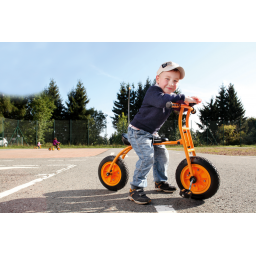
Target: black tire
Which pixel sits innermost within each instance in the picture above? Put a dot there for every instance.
(124, 173)
(212, 171)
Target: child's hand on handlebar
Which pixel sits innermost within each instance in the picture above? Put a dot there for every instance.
(192, 99)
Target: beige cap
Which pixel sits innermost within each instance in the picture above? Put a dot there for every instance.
(167, 66)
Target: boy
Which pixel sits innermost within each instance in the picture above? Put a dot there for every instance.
(146, 123)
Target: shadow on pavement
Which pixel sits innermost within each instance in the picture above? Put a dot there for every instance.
(94, 201)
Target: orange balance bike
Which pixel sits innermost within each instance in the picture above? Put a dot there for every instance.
(196, 176)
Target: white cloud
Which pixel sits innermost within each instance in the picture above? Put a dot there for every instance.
(104, 73)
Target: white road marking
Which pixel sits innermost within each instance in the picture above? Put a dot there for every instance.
(13, 190)
(16, 167)
(112, 153)
(77, 160)
(25, 165)
(57, 164)
(248, 157)
(164, 209)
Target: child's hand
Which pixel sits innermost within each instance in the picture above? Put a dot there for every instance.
(198, 100)
(192, 99)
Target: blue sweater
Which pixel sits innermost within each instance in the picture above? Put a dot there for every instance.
(153, 112)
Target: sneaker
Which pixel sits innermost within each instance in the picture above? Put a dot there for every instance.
(164, 186)
(138, 196)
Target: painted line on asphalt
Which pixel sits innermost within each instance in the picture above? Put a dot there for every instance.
(25, 165)
(78, 160)
(57, 165)
(165, 209)
(112, 153)
(13, 190)
(16, 167)
(248, 157)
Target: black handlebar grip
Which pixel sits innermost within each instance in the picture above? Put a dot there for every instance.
(169, 104)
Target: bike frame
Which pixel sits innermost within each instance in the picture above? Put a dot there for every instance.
(186, 139)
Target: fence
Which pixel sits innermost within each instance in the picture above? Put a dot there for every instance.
(75, 132)
(68, 132)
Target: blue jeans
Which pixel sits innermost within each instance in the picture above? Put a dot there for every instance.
(149, 155)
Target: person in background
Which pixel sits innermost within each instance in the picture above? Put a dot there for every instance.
(56, 143)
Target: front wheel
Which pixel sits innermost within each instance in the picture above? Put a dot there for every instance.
(206, 175)
(117, 178)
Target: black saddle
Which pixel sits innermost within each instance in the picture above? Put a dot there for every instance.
(155, 139)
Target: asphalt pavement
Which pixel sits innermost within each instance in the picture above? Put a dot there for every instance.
(72, 185)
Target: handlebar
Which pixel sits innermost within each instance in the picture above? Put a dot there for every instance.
(169, 104)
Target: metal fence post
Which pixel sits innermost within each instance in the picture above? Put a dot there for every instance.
(3, 128)
(223, 133)
(53, 128)
(36, 132)
(88, 131)
(240, 131)
(70, 131)
(207, 137)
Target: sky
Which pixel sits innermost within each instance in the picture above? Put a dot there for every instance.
(27, 68)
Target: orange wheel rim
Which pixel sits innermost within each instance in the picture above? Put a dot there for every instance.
(112, 178)
(203, 179)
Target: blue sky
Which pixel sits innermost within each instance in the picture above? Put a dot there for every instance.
(105, 43)
(26, 68)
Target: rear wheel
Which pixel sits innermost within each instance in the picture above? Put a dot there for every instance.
(206, 175)
(117, 178)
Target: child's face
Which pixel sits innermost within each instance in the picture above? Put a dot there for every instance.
(168, 81)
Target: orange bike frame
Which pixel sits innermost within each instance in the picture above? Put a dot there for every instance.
(186, 139)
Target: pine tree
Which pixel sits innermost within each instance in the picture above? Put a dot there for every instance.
(53, 92)
(146, 86)
(139, 97)
(222, 106)
(209, 113)
(121, 104)
(235, 108)
(76, 104)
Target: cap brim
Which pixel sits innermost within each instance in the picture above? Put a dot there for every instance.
(169, 68)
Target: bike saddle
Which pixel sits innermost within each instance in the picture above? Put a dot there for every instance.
(159, 139)
(155, 139)
(125, 139)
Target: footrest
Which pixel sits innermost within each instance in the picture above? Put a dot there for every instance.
(185, 193)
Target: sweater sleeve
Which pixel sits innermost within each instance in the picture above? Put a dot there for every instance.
(157, 98)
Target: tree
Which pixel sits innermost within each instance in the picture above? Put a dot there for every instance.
(248, 131)
(97, 124)
(76, 104)
(42, 108)
(53, 92)
(222, 103)
(121, 125)
(139, 94)
(226, 108)
(6, 106)
(121, 104)
(235, 111)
